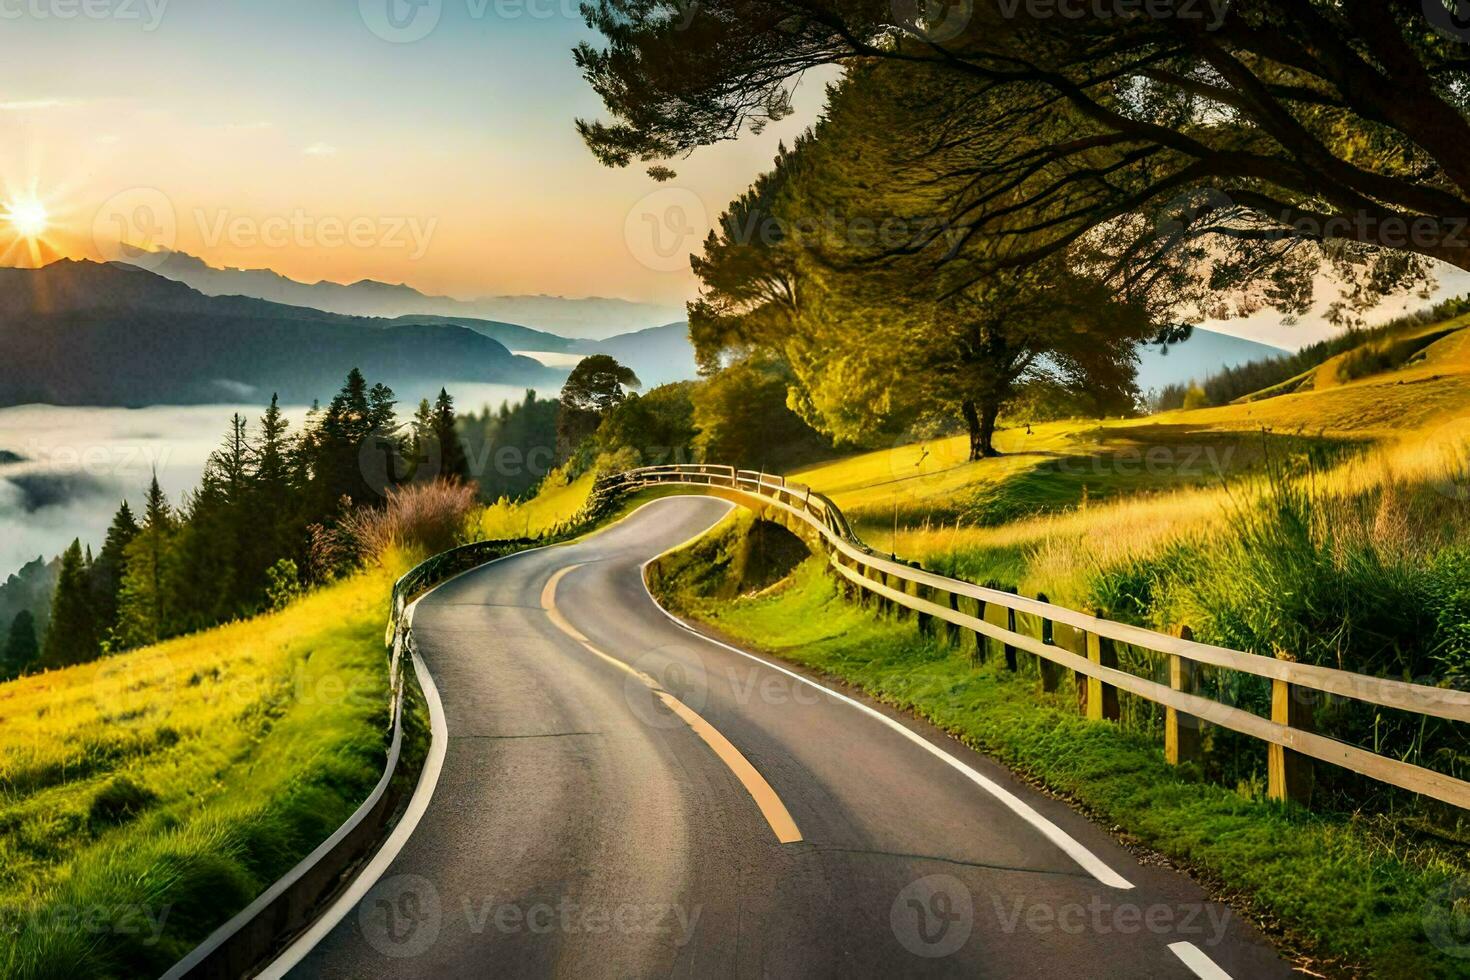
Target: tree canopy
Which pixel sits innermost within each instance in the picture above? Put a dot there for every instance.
(1260, 141)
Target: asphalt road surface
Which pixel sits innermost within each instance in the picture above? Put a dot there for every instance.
(621, 797)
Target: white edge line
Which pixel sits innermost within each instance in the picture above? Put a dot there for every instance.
(1194, 958)
(423, 793)
(1074, 849)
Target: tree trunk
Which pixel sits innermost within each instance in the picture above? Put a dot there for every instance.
(972, 419)
(981, 421)
(989, 411)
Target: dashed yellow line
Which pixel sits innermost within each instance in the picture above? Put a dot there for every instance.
(771, 807)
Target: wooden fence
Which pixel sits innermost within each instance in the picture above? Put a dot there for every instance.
(1086, 647)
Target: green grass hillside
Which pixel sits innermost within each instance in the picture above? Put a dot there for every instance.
(146, 797)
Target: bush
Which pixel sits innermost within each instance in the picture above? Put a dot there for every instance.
(118, 802)
(419, 517)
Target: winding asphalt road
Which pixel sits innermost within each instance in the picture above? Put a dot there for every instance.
(621, 797)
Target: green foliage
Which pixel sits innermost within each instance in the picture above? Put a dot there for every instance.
(512, 448)
(71, 636)
(744, 420)
(596, 386)
(880, 339)
(21, 649)
(658, 426)
(119, 801)
(283, 584)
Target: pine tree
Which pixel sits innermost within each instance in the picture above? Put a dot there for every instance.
(107, 570)
(21, 649)
(71, 637)
(452, 461)
(144, 614)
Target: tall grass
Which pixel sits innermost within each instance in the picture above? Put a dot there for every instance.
(146, 797)
(420, 518)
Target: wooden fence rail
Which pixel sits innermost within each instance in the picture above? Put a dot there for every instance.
(1089, 651)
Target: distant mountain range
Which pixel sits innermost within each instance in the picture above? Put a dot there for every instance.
(590, 318)
(81, 333)
(1205, 351)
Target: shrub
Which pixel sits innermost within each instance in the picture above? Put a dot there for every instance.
(419, 517)
(118, 802)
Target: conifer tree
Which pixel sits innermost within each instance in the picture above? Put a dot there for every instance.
(107, 570)
(21, 649)
(144, 614)
(452, 461)
(71, 637)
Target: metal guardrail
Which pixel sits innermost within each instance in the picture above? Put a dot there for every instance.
(1089, 652)
(249, 937)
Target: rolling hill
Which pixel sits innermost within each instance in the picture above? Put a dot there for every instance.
(80, 333)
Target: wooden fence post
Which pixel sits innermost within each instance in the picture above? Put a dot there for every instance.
(982, 645)
(1051, 673)
(926, 621)
(1181, 730)
(1289, 774)
(1102, 699)
(951, 630)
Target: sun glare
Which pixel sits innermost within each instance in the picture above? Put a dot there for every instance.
(28, 217)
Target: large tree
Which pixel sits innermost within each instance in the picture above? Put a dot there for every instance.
(1267, 138)
(596, 386)
(802, 266)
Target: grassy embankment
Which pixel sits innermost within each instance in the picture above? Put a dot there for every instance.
(1341, 893)
(147, 797)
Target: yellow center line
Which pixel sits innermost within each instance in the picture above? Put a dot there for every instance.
(771, 807)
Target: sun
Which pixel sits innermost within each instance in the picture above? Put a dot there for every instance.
(28, 217)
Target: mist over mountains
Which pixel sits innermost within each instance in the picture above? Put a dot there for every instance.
(590, 318)
(82, 333)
